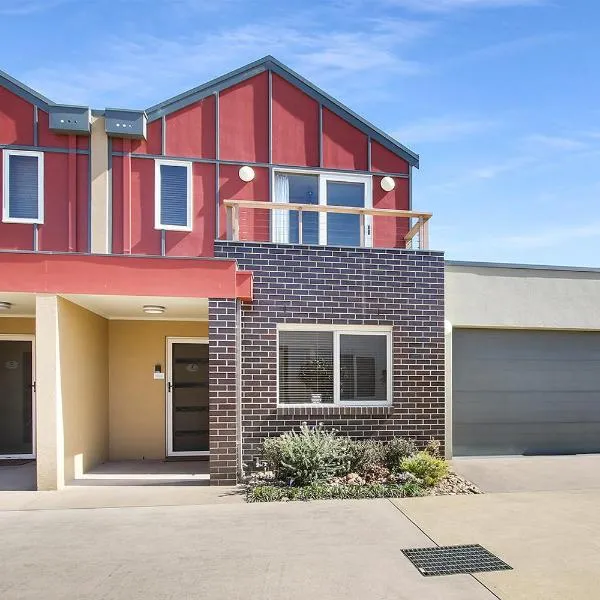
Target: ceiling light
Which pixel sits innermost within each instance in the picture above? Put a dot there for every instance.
(5, 305)
(153, 309)
(246, 173)
(387, 184)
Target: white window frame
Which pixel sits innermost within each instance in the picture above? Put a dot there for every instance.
(382, 330)
(324, 178)
(6, 186)
(157, 196)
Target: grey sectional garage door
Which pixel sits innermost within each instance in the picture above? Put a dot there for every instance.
(525, 392)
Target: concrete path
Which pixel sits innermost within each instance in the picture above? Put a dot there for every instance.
(531, 473)
(332, 550)
(551, 539)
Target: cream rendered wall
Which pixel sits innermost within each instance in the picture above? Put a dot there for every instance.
(21, 325)
(522, 297)
(137, 401)
(83, 346)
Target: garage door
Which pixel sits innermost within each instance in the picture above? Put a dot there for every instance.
(525, 392)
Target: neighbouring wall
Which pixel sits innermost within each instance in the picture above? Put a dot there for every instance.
(83, 350)
(480, 295)
(137, 400)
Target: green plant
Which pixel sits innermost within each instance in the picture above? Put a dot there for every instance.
(324, 491)
(429, 469)
(307, 456)
(364, 455)
(396, 450)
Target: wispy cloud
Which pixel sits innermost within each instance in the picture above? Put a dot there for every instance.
(442, 129)
(556, 142)
(443, 6)
(20, 8)
(138, 71)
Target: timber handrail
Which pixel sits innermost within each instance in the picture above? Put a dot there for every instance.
(420, 227)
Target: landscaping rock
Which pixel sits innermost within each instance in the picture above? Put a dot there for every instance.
(453, 485)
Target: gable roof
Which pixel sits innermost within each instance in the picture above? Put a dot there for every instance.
(24, 91)
(269, 63)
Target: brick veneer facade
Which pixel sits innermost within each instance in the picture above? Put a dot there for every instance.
(326, 285)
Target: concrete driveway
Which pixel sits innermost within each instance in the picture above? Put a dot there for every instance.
(540, 515)
(348, 550)
(532, 473)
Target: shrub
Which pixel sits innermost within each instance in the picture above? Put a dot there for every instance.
(396, 450)
(324, 491)
(307, 456)
(364, 455)
(429, 469)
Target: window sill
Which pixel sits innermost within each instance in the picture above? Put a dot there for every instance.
(335, 410)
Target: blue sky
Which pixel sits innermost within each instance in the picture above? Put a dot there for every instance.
(501, 98)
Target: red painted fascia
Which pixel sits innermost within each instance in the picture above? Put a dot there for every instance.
(37, 272)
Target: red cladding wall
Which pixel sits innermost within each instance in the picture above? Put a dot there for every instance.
(295, 126)
(66, 181)
(16, 119)
(151, 145)
(191, 131)
(243, 121)
(243, 138)
(254, 224)
(389, 232)
(344, 146)
(199, 242)
(385, 161)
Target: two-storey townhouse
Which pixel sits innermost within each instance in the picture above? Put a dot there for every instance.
(185, 280)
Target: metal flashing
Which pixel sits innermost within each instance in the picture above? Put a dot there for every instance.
(70, 119)
(492, 265)
(269, 63)
(125, 123)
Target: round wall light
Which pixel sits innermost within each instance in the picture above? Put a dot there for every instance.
(247, 173)
(387, 184)
(153, 309)
(5, 305)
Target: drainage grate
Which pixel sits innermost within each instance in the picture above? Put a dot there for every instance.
(450, 560)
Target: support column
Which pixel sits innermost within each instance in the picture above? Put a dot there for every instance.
(223, 392)
(50, 450)
(100, 210)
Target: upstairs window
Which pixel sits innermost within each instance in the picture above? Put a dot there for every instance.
(23, 187)
(173, 185)
(330, 227)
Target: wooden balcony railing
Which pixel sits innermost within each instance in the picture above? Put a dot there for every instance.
(416, 224)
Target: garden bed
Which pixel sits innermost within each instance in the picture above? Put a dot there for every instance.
(316, 464)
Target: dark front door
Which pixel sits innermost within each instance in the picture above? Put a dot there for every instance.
(16, 399)
(187, 392)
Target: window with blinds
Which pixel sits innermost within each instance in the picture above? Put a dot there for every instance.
(173, 195)
(23, 188)
(334, 366)
(305, 367)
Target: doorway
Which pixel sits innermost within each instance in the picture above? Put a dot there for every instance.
(187, 397)
(17, 397)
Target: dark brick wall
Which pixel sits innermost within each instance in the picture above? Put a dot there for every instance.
(222, 413)
(327, 285)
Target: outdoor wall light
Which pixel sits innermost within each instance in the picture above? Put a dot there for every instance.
(153, 309)
(387, 184)
(247, 173)
(5, 305)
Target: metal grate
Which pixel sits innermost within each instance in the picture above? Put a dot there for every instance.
(450, 560)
